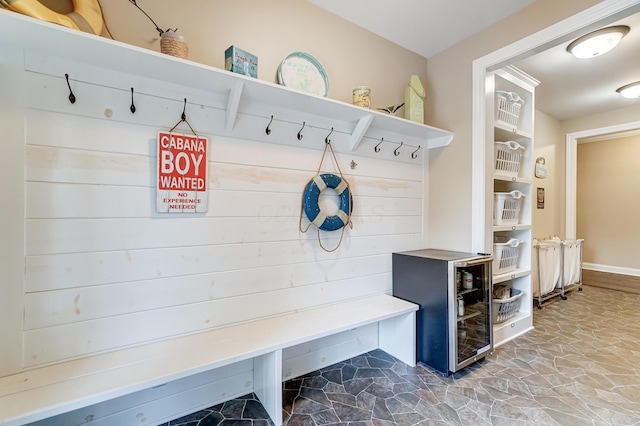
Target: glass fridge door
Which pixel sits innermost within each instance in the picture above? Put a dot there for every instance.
(471, 317)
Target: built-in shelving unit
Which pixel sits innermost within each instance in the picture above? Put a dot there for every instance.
(510, 79)
(236, 94)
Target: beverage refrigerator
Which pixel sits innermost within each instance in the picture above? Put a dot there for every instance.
(453, 290)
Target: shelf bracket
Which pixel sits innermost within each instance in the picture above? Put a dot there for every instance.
(232, 105)
(440, 142)
(360, 130)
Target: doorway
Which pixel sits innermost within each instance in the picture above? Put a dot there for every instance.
(599, 15)
(571, 168)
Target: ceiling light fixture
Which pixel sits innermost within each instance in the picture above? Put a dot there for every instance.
(598, 42)
(630, 90)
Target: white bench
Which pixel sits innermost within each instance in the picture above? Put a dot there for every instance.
(47, 391)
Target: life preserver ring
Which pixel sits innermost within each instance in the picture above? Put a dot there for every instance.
(313, 211)
(86, 15)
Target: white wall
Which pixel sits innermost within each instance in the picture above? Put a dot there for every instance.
(101, 270)
(11, 219)
(104, 270)
(89, 266)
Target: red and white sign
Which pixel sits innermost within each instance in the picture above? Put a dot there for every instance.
(182, 173)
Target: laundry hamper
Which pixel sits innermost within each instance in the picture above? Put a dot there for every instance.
(508, 106)
(508, 158)
(505, 256)
(504, 309)
(507, 207)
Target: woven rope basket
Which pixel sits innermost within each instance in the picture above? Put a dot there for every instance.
(174, 45)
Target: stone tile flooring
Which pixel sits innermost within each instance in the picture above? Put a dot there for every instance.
(580, 366)
(243, 411)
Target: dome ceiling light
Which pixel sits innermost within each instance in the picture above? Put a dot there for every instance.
(597, 42)
(630, 90)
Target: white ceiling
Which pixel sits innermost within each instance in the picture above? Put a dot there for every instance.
(425, 27)
(569, 87)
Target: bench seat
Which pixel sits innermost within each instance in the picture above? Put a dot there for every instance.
(47, 391)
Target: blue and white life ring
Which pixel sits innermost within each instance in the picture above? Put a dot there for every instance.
(313, 211)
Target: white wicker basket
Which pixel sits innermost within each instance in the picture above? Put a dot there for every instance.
(508, 158)
(508, 106)
(505, 256)
(507, 207)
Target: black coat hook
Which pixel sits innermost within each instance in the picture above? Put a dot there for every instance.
(183, 119)
(132, 108)
(377, 147)
(413, 154)
(327, 140)
(300, 132)
(396, 151)
(72, 97)
(268, 130)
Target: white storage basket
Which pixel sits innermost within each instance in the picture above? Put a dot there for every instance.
(508, 158)
(505, 256)
(508, 106)
(507, 207)
(505, 309)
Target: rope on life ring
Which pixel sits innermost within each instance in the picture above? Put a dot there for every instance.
(311, 194)
(86, 15)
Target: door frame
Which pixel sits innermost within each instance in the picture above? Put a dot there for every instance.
(572, 169)
(599, 15)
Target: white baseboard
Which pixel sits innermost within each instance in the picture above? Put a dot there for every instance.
(611, 269)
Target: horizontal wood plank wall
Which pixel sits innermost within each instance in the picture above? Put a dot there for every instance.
(12, 215)
(105, 271)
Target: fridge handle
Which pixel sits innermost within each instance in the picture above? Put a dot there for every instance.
(473, 262)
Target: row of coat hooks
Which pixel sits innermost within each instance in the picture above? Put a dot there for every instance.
(132, 107)
(396, 151)
(377, 148)
(299, 136)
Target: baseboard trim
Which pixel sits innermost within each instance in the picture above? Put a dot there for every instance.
(611, 269)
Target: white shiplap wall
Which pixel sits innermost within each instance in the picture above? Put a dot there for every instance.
(88, 266)
(104, 270)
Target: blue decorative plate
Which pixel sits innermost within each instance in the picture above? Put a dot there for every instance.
(303, 72)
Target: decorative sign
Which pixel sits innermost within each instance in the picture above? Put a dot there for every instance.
(182, 173)
(541, 198)
(541, 168)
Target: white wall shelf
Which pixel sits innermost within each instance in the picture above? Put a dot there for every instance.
(239, 93)
(509, 133)
(504, 228)
(514, 327)
(511, 179)
(512, 275)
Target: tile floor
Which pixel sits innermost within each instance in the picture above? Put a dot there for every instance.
(243, 411)
(580, 366)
